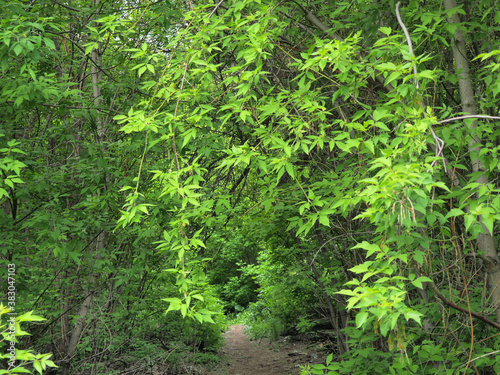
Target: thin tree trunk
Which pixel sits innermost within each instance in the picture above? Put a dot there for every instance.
(334, 319)
(100, 240)
(486, 241)
(76, 333)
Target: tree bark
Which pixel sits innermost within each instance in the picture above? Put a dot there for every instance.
(486, 241)
(76, 333)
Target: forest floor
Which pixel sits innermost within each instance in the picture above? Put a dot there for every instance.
(283, 357)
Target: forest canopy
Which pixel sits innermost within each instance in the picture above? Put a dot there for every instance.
(165, 164)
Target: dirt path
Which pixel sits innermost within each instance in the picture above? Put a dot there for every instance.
(249, 358)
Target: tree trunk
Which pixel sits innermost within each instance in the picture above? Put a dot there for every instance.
(334, 319)
(100, 240)
(486, 241)
(76, 333)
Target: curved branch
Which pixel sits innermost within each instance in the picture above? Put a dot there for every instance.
(408, 40)
(461, 309)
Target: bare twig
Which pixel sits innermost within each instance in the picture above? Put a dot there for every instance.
(60, 4)
(440, 143)
(215, 8)
(439, 149)
(468, 116)
(482, 356)
(408, 40)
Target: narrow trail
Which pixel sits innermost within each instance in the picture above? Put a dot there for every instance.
(249, 358)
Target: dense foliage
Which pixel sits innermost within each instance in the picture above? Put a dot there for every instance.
(66, 72)
(307, 162)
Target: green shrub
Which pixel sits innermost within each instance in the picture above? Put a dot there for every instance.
(17, 359)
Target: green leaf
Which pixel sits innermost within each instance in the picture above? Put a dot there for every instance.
(369, 145)
(88, 49)
(441, 185)
(208, 318)
(426, 74)
(28, 317)
(394, 319)
(385, 30)
(346, 292)
(290, 171)
(384, 328)
(454, 212)
(323, 219)
(431, 218)
(198, 297)
(380, 113)
(184, 309)
(38, 366)
(386, 66)
(243, 89)
(18, 49)
(370, 248)
(329, 359)
(20, 370)
(141, 70)
(412, 314)
(469, 220)
(353, 282)
(418, 283)
(49, 43)
(488, 221)
(367, 275)
(418, 256)
(393, 76)
(360, 268)
(48, 362)
(361, 318)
